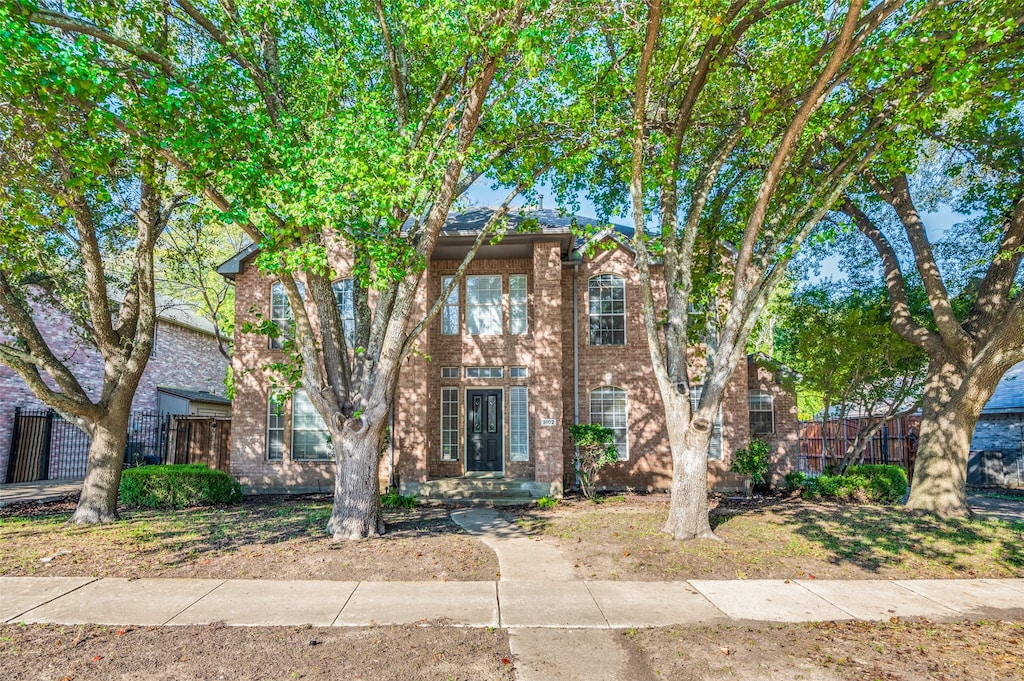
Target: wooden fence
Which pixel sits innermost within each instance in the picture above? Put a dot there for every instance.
(895, 443)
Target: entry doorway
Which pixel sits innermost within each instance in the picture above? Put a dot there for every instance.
(484, 432)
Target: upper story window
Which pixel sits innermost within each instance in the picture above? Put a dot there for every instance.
(344, 296)
(483, 305)
(517, 303)
(608, 408)
(607, 310)
(280, 314)
(450, 311)
(762, 413)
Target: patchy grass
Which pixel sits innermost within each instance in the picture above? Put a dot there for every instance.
(779, 538)
(265, 537)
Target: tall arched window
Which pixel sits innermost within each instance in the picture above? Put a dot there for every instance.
(607, 310)
(608, 408)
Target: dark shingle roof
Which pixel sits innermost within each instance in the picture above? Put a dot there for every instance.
(194, 395)
(1009, 394)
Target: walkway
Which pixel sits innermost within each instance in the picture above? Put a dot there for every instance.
(40, 490)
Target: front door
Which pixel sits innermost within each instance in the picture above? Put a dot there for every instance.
(483, 431)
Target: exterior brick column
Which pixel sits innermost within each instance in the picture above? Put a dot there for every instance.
(546, 385)
(410, 436)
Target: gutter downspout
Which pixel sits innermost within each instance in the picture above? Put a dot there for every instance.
(392, 483)
(575, 264)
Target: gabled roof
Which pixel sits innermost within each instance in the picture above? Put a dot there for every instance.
(463, 225)
(194, 395)
(1009, 394)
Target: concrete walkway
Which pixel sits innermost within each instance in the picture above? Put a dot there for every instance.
(513, 605)
(40, 490)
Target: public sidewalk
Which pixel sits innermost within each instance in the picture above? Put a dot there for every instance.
(508, 604)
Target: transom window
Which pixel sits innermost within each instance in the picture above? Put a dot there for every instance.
(608, 409)
(310, 439)
(485, 372)
(607, 310)
(762, 413)
(483, 305)
(449, 372)
(343, 295)
(517, 372)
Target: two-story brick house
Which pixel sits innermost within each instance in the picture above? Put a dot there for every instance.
(539, 334)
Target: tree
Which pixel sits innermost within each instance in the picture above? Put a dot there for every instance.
(329, 127)
(80, 211)
(749, 119)
(848, 355)
(973, 333)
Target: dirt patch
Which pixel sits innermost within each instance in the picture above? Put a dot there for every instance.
(218, 652)
(967, 651)
(776, 538)
(264, 538)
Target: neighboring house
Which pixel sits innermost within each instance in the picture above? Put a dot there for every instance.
(537, 336)
(997, 448)
(185, 374)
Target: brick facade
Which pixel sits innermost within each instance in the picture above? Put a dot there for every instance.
(545, 351)
(182, 358)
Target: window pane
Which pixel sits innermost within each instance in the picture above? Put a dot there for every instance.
(607, 310)
(275, 429)
(519, 427)
(762, 414)
(449, 424)
(608, 408)
(310, 438)
(343, 295)
(450, 310)
(483, 305)
(517, 303)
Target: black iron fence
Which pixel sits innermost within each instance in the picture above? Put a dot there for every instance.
(44, 446)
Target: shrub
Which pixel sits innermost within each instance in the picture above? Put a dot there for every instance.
(752, 461)
(595, 446)
(871, 483)
(393, 499)
(885, 484)
(178, 486)
(547, 502)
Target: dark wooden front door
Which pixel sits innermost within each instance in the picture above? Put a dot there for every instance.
(483, 431)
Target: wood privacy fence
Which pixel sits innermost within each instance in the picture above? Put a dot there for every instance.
(44, 446)
(895, 443)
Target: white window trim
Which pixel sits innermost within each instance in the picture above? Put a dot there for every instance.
(514, 305)
(291, 453)
(590, 314)
(623, 455)
(272, 407)
(452, 301)
(348, 329)
(770, 410)
(454, 455)
(512, 454)
(474, 306)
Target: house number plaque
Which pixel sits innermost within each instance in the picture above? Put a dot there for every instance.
(549, 422)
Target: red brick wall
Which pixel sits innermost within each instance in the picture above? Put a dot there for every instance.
(784, 441)
(183, 358)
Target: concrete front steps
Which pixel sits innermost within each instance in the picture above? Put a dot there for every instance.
(476, 491)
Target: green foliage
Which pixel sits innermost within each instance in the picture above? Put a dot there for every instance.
(392, 499)
(178, 486)
(547, 502)
(880, 484)
(752, 460)
(595, 446)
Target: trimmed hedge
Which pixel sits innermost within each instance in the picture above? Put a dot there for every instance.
(178, 486)
(881, 484)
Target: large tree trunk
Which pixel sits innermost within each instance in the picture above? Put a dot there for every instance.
(688, 511)
(98, 502)
(954, 398)
(357, 512)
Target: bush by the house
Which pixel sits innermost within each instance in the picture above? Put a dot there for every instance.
(178, 486)
(392, 499)
(880, 484)
(595, 446)
(752, 461)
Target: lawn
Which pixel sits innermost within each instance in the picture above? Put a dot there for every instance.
(776, 537)
(263, 538)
